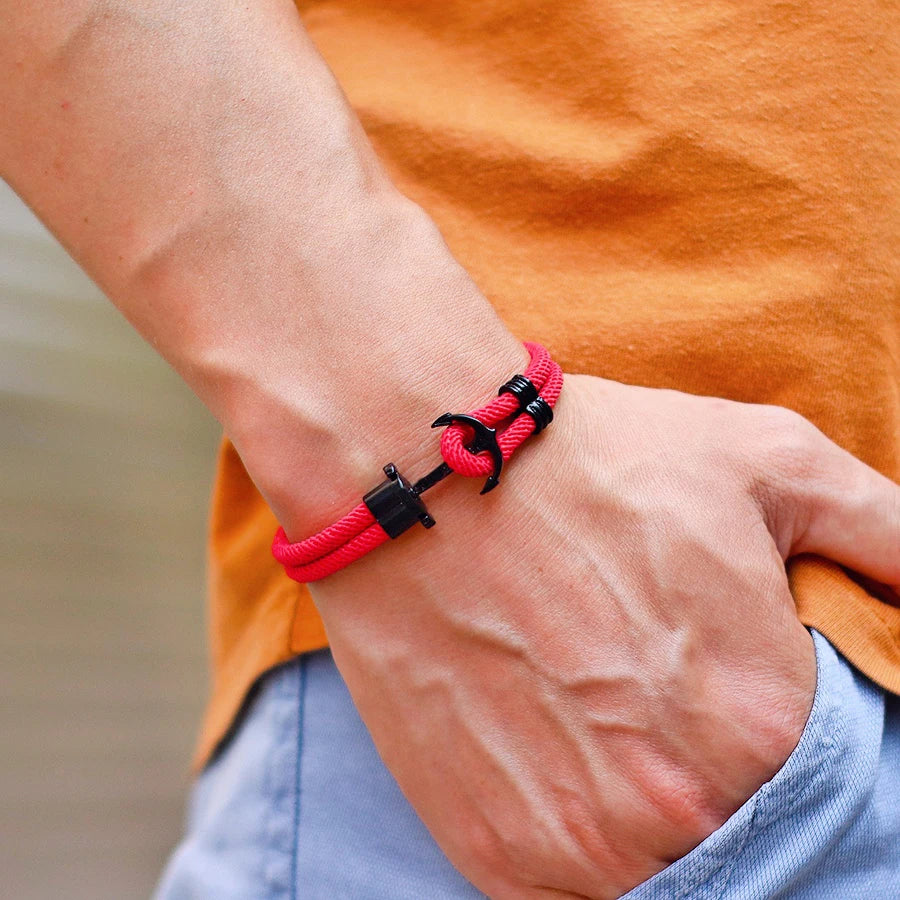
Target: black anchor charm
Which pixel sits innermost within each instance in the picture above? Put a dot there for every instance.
(485, 439)
(396, 504)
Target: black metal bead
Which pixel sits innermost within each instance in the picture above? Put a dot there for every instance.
(522, 389)
(542, 413)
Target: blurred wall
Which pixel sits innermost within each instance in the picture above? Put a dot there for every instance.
(105, 470)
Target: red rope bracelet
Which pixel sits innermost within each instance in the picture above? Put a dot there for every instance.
(395, 505)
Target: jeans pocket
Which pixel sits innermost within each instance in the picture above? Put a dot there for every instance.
(705, 870)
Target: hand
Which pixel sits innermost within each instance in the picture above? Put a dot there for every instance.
(579, 676)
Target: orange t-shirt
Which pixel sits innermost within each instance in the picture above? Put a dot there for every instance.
(691, 194)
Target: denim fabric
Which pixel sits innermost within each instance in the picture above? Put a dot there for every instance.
(299, 805)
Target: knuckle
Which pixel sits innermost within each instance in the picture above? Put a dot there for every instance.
(780, 724)
(488, 849)
(785, 470)
(790, 444)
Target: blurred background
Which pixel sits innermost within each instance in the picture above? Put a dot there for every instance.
(106, 464)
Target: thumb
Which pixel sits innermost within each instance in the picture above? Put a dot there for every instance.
(818, 498)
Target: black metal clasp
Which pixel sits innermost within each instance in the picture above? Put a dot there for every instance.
(396, 504)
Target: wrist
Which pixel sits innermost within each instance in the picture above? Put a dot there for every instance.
(316, 424)
(313, 472)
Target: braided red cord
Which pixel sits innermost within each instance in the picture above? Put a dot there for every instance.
(358, 532)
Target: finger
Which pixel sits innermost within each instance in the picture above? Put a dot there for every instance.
(822, 499)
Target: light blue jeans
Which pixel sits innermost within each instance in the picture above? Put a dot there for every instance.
(299, 805)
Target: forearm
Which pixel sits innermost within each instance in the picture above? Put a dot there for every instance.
(202, 164)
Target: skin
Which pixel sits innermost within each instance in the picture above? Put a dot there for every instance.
(591, 667)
